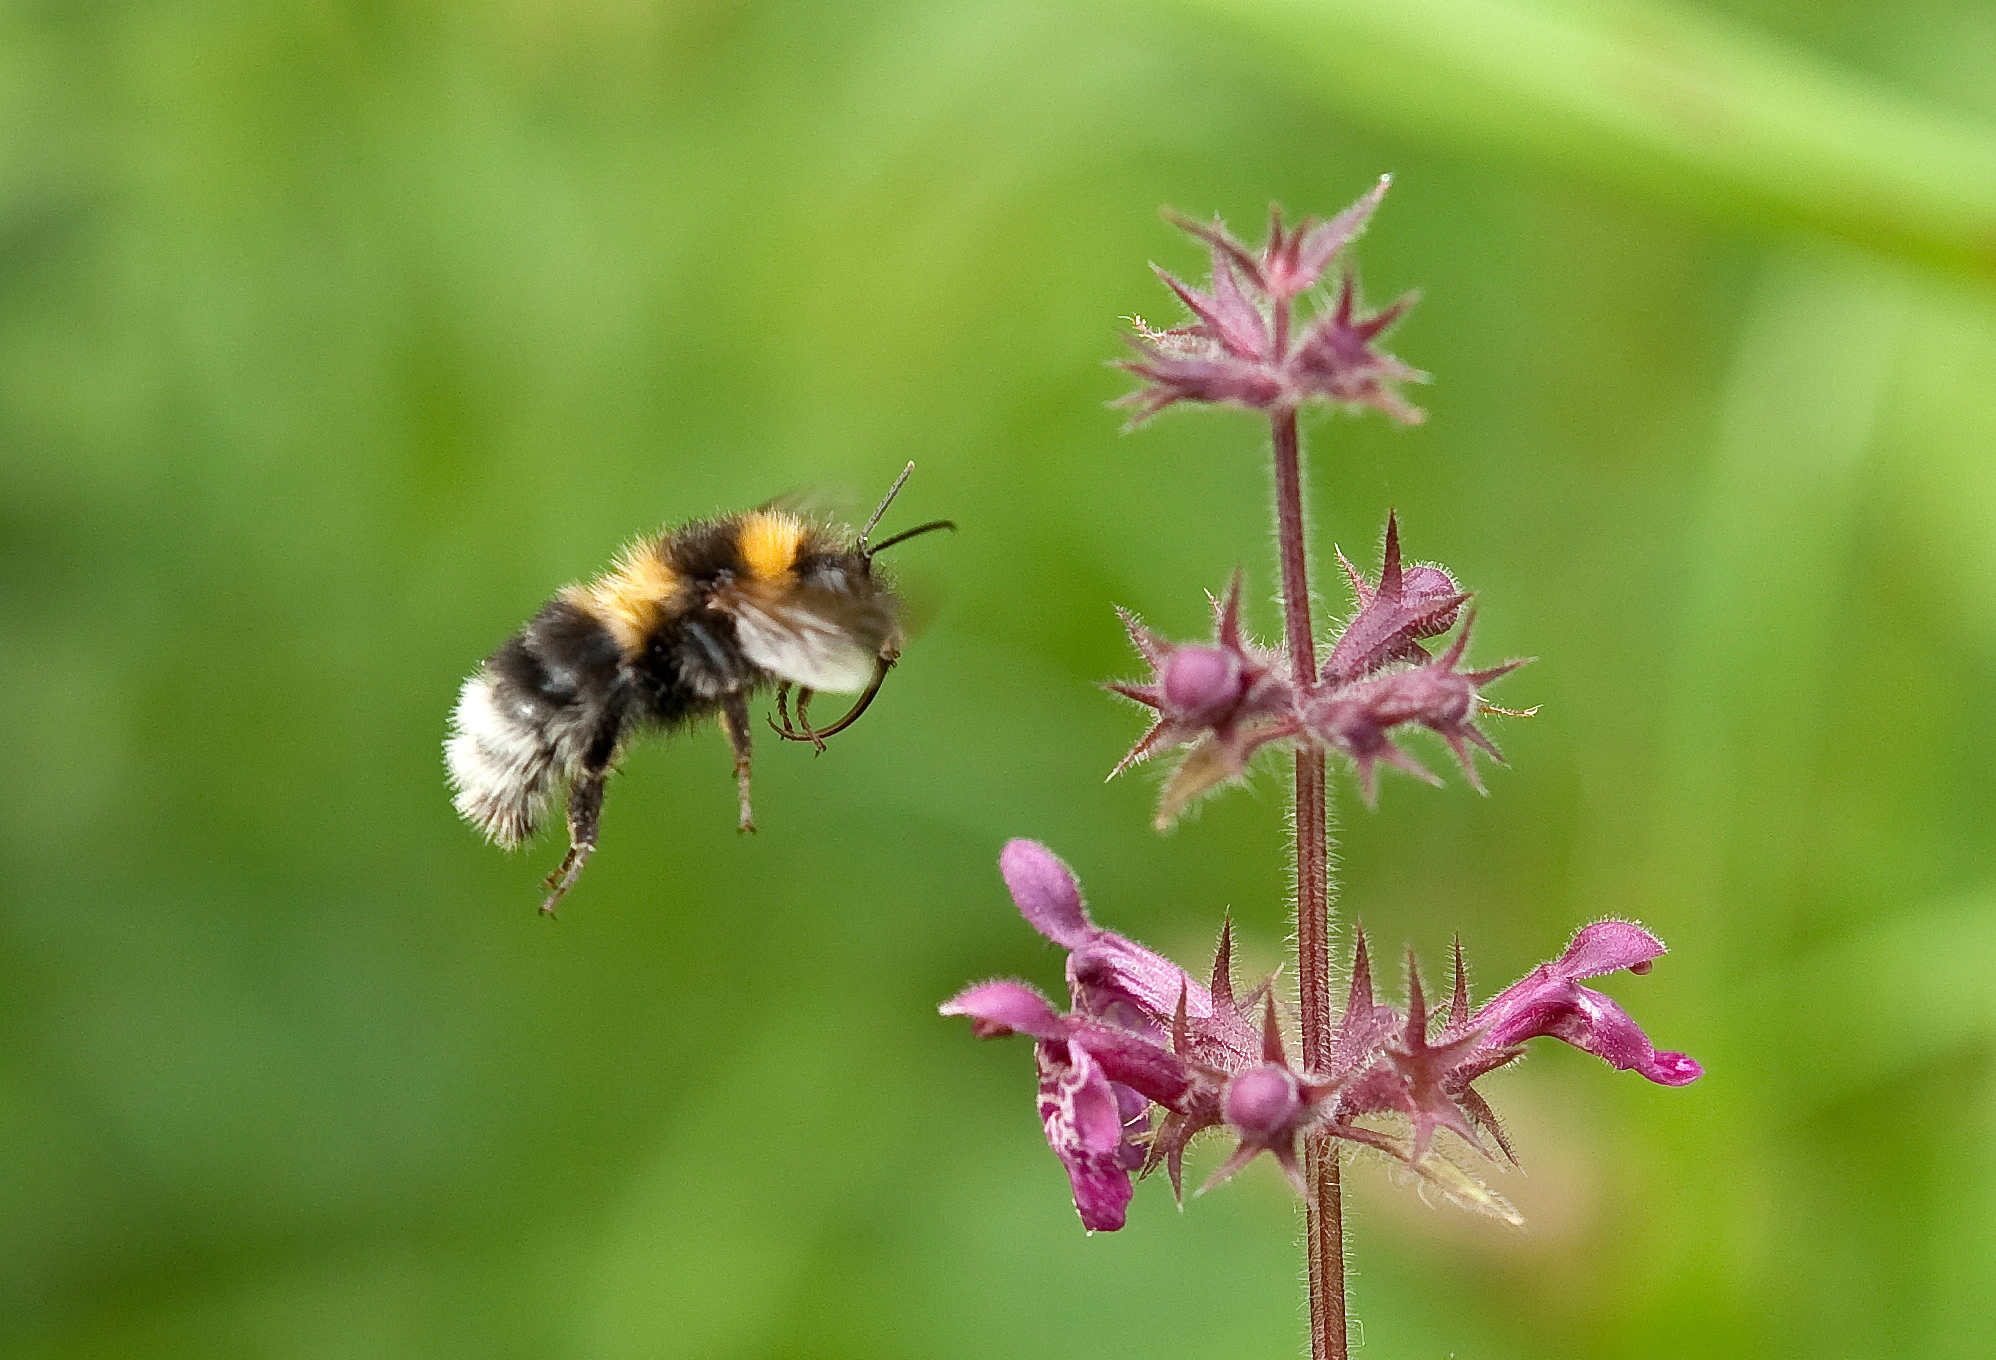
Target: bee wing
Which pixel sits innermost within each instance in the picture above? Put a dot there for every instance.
(815, 638)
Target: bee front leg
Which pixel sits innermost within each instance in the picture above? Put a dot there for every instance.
(735, 722)
(585, 810)
(802, 730)
(804, 720)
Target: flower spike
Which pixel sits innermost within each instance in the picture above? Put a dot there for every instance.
(1144, 1059)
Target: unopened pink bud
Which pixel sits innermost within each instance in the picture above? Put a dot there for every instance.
(1421, 585)
(1263, 1101)
(1203, 683)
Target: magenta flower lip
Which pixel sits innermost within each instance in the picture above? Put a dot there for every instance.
(1001, 1007)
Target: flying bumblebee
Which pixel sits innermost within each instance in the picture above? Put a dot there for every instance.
(689, 622)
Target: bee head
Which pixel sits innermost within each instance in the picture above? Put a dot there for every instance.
(866, 548)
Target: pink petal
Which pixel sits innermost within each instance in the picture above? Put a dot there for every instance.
(1105, 970)
(1607, 947)
(1002, 1007)
(1084, 1123)
(1046, 892)
(1560, 1009)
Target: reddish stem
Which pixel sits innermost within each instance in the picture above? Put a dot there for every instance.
(1324, 1216)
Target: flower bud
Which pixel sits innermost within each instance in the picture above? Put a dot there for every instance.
(1203, 684)
(1263, 1101)
(1431, 586)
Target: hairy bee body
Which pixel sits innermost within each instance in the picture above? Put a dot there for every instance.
(688, 624)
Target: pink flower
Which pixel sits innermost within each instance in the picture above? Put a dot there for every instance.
(1096, 1086)
(1389, 1062)
(1142, 1032)
(1548, 1002)
(1143, 1040)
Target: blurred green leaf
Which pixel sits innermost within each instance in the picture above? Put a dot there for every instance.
(1648, 95)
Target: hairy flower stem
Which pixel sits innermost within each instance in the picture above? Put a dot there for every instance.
(1324, 1214)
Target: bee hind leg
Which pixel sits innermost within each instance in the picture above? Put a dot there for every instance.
(585, 810)
(735, 722)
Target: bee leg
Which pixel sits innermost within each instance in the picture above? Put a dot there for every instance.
(804, 728)
(735, 722)
(585, 810)
(585, 799)
(781, 724)
(817, 735)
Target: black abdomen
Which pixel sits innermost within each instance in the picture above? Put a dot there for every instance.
(549, 704)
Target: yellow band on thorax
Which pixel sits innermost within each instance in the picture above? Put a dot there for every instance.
(769, 543)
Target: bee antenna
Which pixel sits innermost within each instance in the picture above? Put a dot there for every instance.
(907, 534)
(885, 501)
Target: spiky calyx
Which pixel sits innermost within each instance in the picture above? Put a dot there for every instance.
(1225, 699)
(1238, 350)
(1222, 701)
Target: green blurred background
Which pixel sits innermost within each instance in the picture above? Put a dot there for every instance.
(334, 336)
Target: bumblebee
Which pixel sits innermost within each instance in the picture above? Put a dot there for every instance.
(689, 623)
